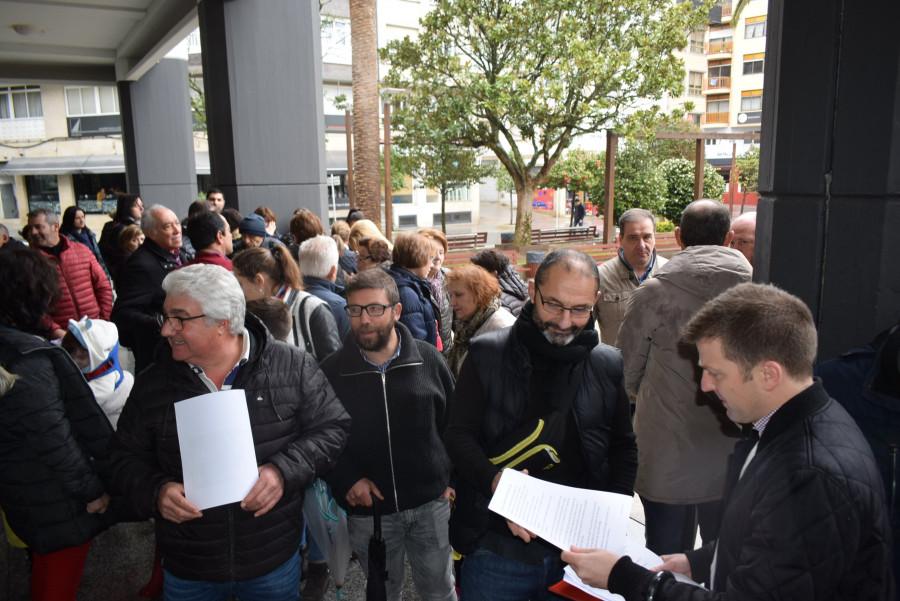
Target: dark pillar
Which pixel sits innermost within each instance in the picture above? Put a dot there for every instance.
(262, 73)
(157, 135)
(829, 214)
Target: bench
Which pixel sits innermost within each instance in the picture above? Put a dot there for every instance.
(564, 234)
(455, 259)
(466, 241)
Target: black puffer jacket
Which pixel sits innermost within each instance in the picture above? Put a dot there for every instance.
(513, 291)
(298, 425)
(398, 418)
(807, 520)
(53, 437)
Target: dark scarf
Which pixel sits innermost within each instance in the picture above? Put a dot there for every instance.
(81, 236)
(463, 331)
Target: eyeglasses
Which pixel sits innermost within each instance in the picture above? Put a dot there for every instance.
(557, 309)
(373, 310)
(176, 323)
(360, 257)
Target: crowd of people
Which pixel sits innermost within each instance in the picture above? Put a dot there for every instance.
(409, 388)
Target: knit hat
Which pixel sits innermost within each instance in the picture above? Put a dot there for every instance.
(253, 225)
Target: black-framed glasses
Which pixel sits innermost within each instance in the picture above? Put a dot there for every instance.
(374, 310)
(557, 309)
(176, 323)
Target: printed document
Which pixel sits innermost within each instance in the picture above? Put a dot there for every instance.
(562, 515)
(217, 453)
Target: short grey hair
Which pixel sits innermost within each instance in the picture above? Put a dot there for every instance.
(148, 219)
(634, 216)
(49, 215)
(215, 289)
(3, 230)
(317, 256)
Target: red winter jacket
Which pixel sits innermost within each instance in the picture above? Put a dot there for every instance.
(85, 289)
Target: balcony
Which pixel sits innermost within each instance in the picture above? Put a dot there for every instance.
(711, 84)
(714, 119)
(719, 47)
(726, 11)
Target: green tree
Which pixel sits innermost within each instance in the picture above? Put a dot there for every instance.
(579, 171)
(748, 170)
(679, 179)
(522, 78)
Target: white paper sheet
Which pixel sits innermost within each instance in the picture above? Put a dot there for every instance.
(562, 515)
(217, 453)
(639, 554)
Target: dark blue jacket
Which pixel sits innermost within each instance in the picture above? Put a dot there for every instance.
(418, 313)
(332, 294)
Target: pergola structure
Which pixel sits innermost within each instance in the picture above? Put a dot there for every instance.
(612, 142)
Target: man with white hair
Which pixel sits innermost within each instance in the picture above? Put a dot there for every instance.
(299, 430)
(139, 287)
(318, 262)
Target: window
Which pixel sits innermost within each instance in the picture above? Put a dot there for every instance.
(43, 192)
(753, 67)
(695, 82)
(96, 100)
(751, 103)
(755, 27)
(717, 106)
(20, 102)
(719, 70)
(336, 40)
(696, 45)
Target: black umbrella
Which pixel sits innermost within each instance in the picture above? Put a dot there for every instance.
(377, 575)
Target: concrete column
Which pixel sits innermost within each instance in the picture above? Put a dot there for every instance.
(262, 69)
(829, 213)
(157, 136)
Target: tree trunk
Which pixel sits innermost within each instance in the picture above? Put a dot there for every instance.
(444, 209)
(366, 155)
(525, 195)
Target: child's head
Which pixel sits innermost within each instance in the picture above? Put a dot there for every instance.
(274, 313)
(78, 353)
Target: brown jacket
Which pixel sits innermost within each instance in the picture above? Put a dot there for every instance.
(684, 438)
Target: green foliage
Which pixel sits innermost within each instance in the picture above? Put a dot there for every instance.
(198, 102)
(664, 227)
(579, 171)
(504, 181)
(678, 175)
(521, 78)
(399, 169)
(748, 170)
(638, 181)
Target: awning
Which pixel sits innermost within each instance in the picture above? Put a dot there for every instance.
(91, 164)
(336, 161)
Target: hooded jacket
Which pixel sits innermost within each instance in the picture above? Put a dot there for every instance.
(684, 437)
(298, 425)
(111, 384)
(419, 309)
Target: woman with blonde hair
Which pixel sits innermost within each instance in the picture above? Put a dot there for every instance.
(273, 273)
(365, 228)
(475, 298)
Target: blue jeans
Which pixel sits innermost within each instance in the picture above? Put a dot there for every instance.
(673, 528)
(421, 533)
(487, 576)
(281, 584)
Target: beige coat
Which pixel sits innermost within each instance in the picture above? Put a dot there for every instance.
(684, 438)
(617, 283)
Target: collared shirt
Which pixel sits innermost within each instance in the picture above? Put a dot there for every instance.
(640, 278)
(760, 424)
(232, 375)
(382, 368)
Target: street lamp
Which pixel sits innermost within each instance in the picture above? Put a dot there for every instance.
(387, 93)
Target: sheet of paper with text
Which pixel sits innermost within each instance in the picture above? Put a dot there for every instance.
(217, 453)
(562, 515)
